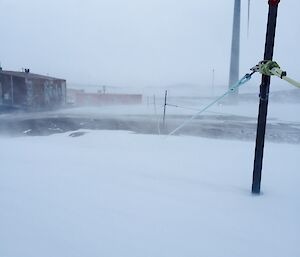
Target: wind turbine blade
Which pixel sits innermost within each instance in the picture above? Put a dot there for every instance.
(248, 21)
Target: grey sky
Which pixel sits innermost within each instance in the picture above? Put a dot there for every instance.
(140, 42)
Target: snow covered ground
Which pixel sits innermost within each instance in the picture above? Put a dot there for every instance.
(221, 121)
(284, 112)
(116, 193)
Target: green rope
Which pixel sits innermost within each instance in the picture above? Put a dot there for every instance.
(271, 68)
(232, 89)
(265, 68)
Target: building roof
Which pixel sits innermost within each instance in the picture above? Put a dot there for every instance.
(28, 75)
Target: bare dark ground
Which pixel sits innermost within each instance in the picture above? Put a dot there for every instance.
(211, 126)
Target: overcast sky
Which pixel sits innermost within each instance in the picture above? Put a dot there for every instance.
(140, 42)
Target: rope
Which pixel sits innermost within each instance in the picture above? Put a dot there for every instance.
(281, 74)
(197, 109)
(232, 89)
(271, 68)
(182, 107)
(291, 81)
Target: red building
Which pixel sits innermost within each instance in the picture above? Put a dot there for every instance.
(81, 98)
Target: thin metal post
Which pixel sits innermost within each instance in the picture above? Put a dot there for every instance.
(12, 89)
(213, 83)
(264, 98)
(154, 104)
(165, 106)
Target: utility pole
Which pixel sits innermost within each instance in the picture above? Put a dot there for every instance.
(264, 97)
(235, 46)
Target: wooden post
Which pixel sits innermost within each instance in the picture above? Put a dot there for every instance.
(264, 98)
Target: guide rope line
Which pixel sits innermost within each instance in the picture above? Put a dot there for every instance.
(232, 89)
(271, 68)
(182, 107)
(197, 109)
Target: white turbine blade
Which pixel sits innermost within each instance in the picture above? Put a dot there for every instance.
(248, 21)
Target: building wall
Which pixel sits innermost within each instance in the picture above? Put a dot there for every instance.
(12, 90)
(42, 93)
(81, 98)
(34, 93)
(19, 91)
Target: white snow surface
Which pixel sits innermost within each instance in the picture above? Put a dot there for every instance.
(115, 193)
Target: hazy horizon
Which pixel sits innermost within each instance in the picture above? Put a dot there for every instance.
(140, 43)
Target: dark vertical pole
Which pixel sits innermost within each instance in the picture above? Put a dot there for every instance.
(165, 106)
(264, 98)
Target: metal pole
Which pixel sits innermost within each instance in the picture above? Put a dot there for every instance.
(165, 106)
(264, 98)
(213, 83)
(154, 104)
(12, 89)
